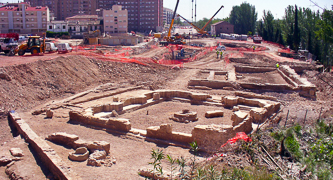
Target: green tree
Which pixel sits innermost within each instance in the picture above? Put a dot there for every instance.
(243, 18)
(296, 35)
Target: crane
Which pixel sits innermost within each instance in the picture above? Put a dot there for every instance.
(171, 39)
(202, 30)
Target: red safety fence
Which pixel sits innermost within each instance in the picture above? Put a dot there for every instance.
(239, 135)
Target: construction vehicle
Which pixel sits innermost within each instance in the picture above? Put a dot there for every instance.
(202, 31)
(8, 46)
(35, 45)
(172, 39)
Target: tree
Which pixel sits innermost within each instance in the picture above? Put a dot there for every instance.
(296, 36)
(243, 18)
(268, 26)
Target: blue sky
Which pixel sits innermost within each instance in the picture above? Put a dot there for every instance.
(207, 8)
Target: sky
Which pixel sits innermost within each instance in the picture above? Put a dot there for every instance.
(207, 8)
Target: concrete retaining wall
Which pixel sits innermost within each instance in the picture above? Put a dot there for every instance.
(48, 156)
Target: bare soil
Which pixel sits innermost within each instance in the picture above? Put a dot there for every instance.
(27, 83)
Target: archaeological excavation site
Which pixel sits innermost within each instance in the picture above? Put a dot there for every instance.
(108, 113)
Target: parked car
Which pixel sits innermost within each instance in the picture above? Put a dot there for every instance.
(64, 48)
(50, 47)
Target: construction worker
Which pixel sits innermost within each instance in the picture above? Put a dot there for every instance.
(221, 54)
(254, 48)
(277, 65)
(217, 54)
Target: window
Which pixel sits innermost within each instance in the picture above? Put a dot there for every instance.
(115, 11)
(44, 19)
(3, 14)
(17, 19)
(63, 27)
(27, 25)
(32, 25)
(32, 19)
(43, 13)
(50, 27)
(107, 21)
(18, 14)
(106, 26)
(27, 13)
(106, 15)
(32, 13)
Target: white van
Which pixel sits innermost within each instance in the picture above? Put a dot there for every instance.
(50, 47)
(64, 48)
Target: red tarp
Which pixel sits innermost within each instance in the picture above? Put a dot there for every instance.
(239, 135)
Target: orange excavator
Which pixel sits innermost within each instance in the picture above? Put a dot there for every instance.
(172, 39)
(202, 31)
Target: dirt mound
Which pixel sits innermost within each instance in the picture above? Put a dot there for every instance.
(26, 85)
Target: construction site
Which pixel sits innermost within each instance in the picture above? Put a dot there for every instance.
(107, 107)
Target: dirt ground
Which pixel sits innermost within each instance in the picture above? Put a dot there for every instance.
(28, 83)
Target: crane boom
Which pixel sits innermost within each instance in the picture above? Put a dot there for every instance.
(202, 30)
(212, 18)
(173, 19)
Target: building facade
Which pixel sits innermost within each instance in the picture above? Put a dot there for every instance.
(24, 19)
(80, 24)
(67, 8)
(57, 26)
(115, 20)
(167, 15)
(143, 15)
(222, 27)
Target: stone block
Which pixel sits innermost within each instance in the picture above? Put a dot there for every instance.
(16, 152)
(63, 138)
(96, 158)
(211, 137)
(80, 154)
(99, 145)
(115, 99)
(216, 113)
(160, 132)
(156, 96)
(49, 113)
(258, 115)
(230, 101)
(237, 117)
(199, 96)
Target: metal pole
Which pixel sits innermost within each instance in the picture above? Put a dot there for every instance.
(321, 109)
(286, 119)
(305, 116)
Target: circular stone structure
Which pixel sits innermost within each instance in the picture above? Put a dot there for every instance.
(185, 116)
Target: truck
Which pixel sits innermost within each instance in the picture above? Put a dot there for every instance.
(8, 45)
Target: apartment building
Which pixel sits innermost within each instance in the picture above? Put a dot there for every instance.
(115, 20)
(167, 15)
(143, 15)
(23, 18)
(67, 8)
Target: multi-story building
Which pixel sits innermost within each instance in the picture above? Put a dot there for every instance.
(115, 20)
(80, 24)
(167, 15)
(143, 15)
(23, 18)
(67, 8)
